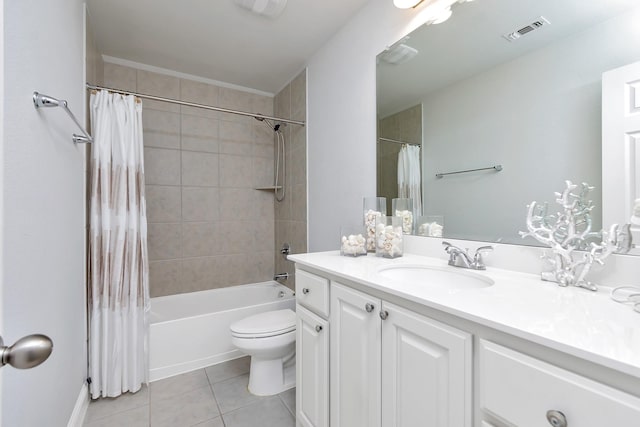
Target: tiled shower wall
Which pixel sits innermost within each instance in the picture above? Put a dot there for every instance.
(403, 126)
(291, 213)
(208, 226)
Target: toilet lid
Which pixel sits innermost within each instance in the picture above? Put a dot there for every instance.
(265, 324)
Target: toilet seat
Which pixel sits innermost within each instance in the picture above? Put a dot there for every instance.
(263, 325)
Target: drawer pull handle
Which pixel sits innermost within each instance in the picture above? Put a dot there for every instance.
(369, 307)
(318, 328)
(556, 419)
(384, 314)
(305, 290)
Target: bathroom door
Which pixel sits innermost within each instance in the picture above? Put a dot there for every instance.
(620, 144)
(42, 204)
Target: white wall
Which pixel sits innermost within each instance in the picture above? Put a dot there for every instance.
(533, 115)
(1, 182)
(342, 119)
(342, 131)
(43, 227)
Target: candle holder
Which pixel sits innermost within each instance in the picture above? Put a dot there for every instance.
(430, 226)
(373, 207)
(389, 237)
(352, 241)
(403, 208)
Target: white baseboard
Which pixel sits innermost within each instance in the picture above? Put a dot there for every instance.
(80, 409)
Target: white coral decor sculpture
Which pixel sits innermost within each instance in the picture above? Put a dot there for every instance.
(566, 233)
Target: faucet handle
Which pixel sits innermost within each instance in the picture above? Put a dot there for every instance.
(452, 250)
(478, 261)
(448, 247)
(487, 248)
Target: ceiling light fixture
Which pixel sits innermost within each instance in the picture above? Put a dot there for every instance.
(442, 16)
(406, 4)
(430, 11)
(270, 8)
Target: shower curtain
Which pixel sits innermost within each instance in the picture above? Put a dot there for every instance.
(409, 181)
(118, 264)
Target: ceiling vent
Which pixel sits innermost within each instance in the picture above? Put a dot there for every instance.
(399, 53)
(535, 25)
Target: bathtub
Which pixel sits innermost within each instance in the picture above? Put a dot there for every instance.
(190, 331)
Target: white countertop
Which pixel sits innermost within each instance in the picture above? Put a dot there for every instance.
(579, 322)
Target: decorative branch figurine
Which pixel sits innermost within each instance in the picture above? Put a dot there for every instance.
(569, 231)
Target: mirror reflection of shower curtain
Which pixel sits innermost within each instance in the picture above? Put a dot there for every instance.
(409, 178)
(118, 263)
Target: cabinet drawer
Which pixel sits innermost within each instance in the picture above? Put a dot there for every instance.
(312, 292)
(519, 390)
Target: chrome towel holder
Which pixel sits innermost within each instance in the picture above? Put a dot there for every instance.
(496, 168)
(41, 100)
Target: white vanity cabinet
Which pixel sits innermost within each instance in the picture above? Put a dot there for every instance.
(393, 367)
(312, 350)
(519, 390)
(390, 361)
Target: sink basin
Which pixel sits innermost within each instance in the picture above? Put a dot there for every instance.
(445, 278)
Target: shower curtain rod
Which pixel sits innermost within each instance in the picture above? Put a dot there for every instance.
(192, 104)
(398, 142)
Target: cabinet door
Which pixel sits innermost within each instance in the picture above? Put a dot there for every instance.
(355, 358)
(312, 369)
(426, 371)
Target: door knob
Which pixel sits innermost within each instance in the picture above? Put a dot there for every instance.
(369, 307)
(305, 290)
(384, 314)
(27, 352)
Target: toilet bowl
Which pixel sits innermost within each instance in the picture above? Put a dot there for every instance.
(270, 339)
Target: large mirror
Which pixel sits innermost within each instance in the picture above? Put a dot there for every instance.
(512, 87)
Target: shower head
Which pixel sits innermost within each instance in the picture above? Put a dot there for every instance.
(273, 126)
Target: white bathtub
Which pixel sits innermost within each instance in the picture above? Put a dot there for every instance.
(190, 331)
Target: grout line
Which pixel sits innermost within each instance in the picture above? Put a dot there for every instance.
(184, 392)
(113, 399)
(181, 272)
(253, 402)
(215, 399)
(285, 404)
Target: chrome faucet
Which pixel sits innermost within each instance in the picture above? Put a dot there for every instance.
(460, 257)
(281, 276)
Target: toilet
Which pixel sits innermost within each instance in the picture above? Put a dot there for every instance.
(270, 339)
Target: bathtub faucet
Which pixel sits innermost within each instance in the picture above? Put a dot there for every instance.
(281, 276)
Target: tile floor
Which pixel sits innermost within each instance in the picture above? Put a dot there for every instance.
(216, 396)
